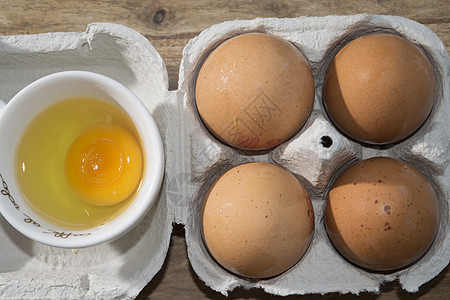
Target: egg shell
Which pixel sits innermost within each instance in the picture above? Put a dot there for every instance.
(379, 88)
(254, 91)
(382, 214)
(257, 220)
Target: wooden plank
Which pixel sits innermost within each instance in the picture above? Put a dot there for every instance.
(173, 18)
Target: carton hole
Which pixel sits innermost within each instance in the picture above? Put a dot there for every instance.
(326, 141)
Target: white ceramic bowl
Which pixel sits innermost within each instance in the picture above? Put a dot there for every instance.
(23, 108)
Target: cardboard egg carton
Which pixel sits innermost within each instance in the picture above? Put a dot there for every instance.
(194, 158)
(119, 269)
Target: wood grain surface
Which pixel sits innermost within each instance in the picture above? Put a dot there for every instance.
(169, 25)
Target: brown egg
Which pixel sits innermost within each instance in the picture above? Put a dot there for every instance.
(382, 214)
(257, 220)
(255, 91)
(379, 88)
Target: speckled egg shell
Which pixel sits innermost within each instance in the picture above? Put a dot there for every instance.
(255, 91)
(382, 214)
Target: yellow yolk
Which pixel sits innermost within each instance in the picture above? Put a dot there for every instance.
(104, 165)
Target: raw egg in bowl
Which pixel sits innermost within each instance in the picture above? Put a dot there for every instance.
(84, 160)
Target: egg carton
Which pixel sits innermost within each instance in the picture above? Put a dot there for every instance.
(120, 269)
(194, 158)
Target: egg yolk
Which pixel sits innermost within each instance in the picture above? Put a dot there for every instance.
(104, 165)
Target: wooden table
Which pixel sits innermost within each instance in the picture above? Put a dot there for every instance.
(169, 25)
